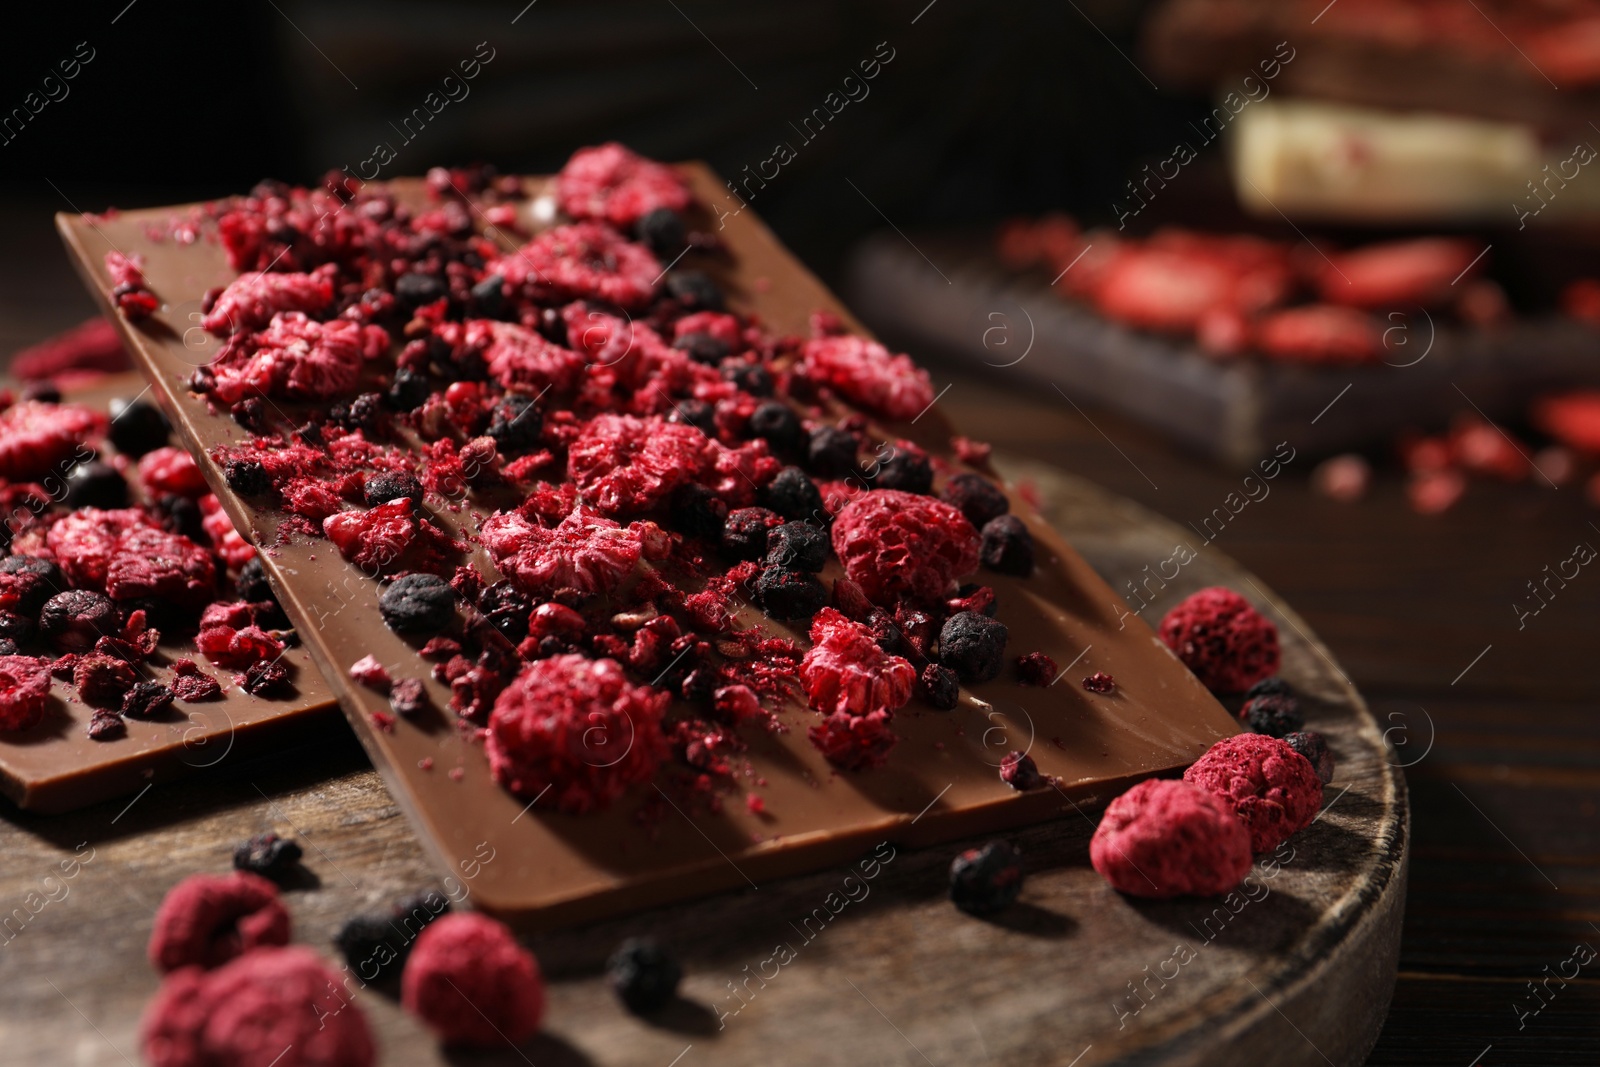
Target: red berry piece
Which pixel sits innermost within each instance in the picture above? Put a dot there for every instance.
(251, 300)
(939, 686)
(1225, 641)
(93, 345)
(1167, 839)
(622, 464)
(1019, 771)
(238, 649)
(102, 680)
(869, 376)
(1036, 668)
(472, 983)
(83, 542)
(170, 470)
(897, 544)
(1273, 789)
(611, 182)
(578, 727)
(295, 358)
(587, 260)
(206, 920)
(389, 538)
(854, 742)
(585, 551)
(192, 685)
(1100, 682)
(846, 671)
(149, 562)
(24, 691)
(37, 439)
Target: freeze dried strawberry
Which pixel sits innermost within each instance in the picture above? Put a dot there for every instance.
(869, 375)
(234, 549)
(584, 260)
(577, 727)
(83, 542)
(93, 346)
(1571, 418)
(389, 538)
(1397, 273)
(585, 551)
(894, 544)
(295, 358)
(170, 470)
(150, 562)
(1320, 333)
(24, 691)
(38, 438)
(854, 742)
(846, 671)
(251, 300)
(610, 182)
(237, 649)
(624, 464)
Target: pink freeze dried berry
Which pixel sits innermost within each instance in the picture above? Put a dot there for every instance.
(271, 1007)
(1100, 682)
(206, 920)
(37, 439)
(1036, 668)
(388, 539)
(869, 375)
(250, 300)
(472, 983)
(846, 671)
(103, 680)
(1225, 641)
(585, 551)
(148, 562)
(170, 470)
(611, 182)
(192, 685)
(587, 260)
(896, 544)
(1273, 789)
(295, 358)
(1165, 839)
(854, 742)
(1020, 772)
(24, 691)
(579, 727)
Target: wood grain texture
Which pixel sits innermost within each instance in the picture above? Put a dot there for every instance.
(897, 976)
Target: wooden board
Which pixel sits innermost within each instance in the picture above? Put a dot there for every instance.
(1299, 976)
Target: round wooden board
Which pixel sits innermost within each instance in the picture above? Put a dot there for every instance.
(1297, 968)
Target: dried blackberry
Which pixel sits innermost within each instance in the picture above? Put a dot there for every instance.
(697, 511)
(1007, 546)
(986, 880)
(662, 231)
(787, 594)
(417, 604)
(96, 485)
(939, 687)
(973, 645)
(268, 855)
(1273, 714)
(695, 290)
(385, 486)
(643, 974)
(776, 423)
(409, 390)
(979, 499)
(797, 545)
(753, 378)
(703, 348)
(507, 609)
(831, 452)
(146, 700)
(247, 477)
(793, 495)
(744, 534)
(905, 469)
(516, 423)
(268, 678)
(416, 289)
(74, 620)
(137, 427)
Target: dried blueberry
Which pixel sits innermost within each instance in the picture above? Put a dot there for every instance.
(179, 514)
(697, 511)
(409, 390)
(643, 974)
(15, 627)
(697, 413)
(74, 620)
(418, 603)
(43, 392)
(695, 290)
(268, 855)
(416, 289)
(973, 645)
(250, 413)
(787, 594)
(1274, 686)
(1273, 714)
(905, 469)
(939, 687)
(1007, 546)
(797, 545)
(793, 495)
(506, 608)
(662, 231)
(516, 424)
(252, 584)
(776, 423)
(744, 535)
(137, 427)
(247, 477)
(976, 497)
(385, 486)
(489, 297)
(96, 485)
(986, 880)
(753, 378)
(373, 947)
(831, 452)
(1314, 747)
(703, 348)
(146, 700)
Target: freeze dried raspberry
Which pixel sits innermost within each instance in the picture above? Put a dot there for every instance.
(389, 538)
(578, 727)
(83, 542)
(102, 680)
(146, 700)
(170, 470)
(613, 183)
(1314, 747)
(24, 691)
(976, 497)
(192, 685)
(1168, 839)
(237, 649)
(1036, 668)
(869, 375)
(271, 1007)
(854, 742)
(1100, 682)
(975, 453)
(128, 288)
(939, 686)
(718, 325)
(1019, 771)
(295, 358)
(986, 880)
(472, 983)
(973, 645)
(1007, 546)
(1273, 714)
(1320, 333)
(894, 544)
(370, 673)
(585, 551)
(586, 260)
(1273, 789)
(206, 920)
(1228, 644)
(1481, 447)
(1435, 492)
(251, 300)
(38, 438)
(149, 562)
(93, 346)
(846, 671)
(623, 464)
(235, 551)
(515, 356)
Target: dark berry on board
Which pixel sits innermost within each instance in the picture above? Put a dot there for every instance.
(789, 594)
(744, 534)
(373, 947)
(797, 545)
(409, 390)
(793, 495)
(247, 477)
(643, 974)
(1273, 686)
(986, 880)
(703, 348)
(1314, 747)
(96, 485)
(1273, 714)
(776, 423)
(268, 855)
(695, 290)
(1019, 771)
(831, 452)
(973, 645)
(1007, 546)
(976, 497)
(753, 378)
(146, 700)
(385, 486)
(418, 604)
(74, 620)
(516, 424)
(1035, 668)
(697, 413)
(268, 678)
(662, 231)
(697, 511)
(905, 469)
(415, 289)
(137, 427)
(939, 687)
(506, 608)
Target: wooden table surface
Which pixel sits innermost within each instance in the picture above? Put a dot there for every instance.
(1498, 726)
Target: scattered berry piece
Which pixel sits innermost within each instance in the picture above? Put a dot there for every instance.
(408, 697)
(1007, 546)
(797, 546)
(644, 975)
(418, 604)
(1273, 789)
(894, 544)
(1273, 714)
(1100, 682)
(1225, 641)
(977, 497)
(370, 673)
(986, 880)
(1164, 838)
(1019, 771)
(611, 182)
(973, 645)
(24, 691)
(469, 979)
(1314, 747)
(206, 920)
(939, 686)
(1036, 668)
(146, 700)
(790, 594)
(846, 671)
(268, 855)
(869, 375)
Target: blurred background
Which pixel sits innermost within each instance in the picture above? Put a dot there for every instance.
(1146, 242)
